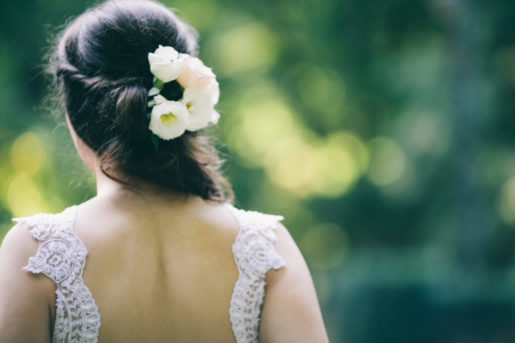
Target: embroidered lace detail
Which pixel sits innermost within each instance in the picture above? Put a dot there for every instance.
(61, 256)
(255, 254)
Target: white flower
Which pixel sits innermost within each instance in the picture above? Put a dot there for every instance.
(169, 119)
(156, 100)
(153, 91)
(214, 90)
(198, 102)
(196, 75)
(195, 111)
(166, 63)
(214, 117)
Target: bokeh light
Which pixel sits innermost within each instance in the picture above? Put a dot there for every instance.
(387, 161)
(28, 153)
(247, 47)
(24, 196)
(325, 246)
(506, 202)
(322, 91)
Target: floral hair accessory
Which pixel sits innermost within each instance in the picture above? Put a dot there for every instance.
(196, 110)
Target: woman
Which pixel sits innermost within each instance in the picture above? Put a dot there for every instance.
(159, 254)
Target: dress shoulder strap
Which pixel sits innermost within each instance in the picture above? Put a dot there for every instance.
(60, 252)
(254, 254)
(61, 256)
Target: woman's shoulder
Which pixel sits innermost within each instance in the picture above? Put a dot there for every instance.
(21, 241)
(40, 225)
(17, 247)
(18, 244)
(252, 222)
(250, 219)
(45, 240)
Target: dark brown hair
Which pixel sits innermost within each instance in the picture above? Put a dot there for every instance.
(101, 69)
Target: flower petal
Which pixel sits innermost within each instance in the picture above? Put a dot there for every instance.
(153, 91)
(169, 120)
(213, 89)
(199, 106)
(167, 52)
(196, 75)
(159, 99)
(166, 72)
(166, 63)
(214, 117)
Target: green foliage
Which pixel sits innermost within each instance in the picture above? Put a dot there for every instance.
(381, 130)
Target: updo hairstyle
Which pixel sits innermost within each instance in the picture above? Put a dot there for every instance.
(101, 70)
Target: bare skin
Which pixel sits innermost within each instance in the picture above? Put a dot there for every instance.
(160, 268)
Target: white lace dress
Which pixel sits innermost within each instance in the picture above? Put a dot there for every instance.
(61, 256)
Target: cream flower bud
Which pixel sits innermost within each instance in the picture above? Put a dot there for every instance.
(196, 75)
(169, 119)
(166, 63)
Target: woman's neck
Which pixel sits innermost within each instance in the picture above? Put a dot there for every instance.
(136, 190)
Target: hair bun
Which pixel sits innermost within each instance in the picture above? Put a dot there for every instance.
(101, 63)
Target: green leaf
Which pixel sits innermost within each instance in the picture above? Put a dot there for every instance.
(159, 84)
(155, 141)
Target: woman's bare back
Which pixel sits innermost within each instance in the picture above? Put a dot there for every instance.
(160, 268)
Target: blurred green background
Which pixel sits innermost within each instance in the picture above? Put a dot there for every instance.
(381, 130)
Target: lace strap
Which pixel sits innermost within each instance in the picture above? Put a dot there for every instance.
(61, 256)
(254, 254)
(254, 249)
